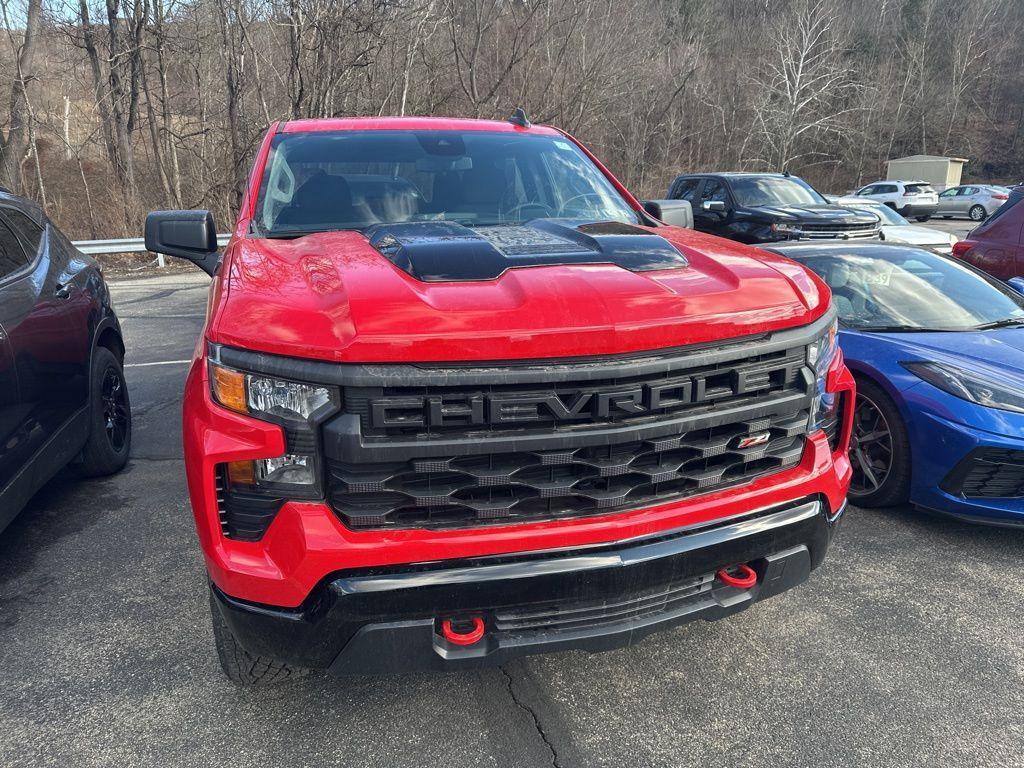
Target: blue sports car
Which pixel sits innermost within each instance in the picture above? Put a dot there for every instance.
(937, 348)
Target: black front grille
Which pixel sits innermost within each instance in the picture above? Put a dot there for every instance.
(829, 227)
(433, 410)
(532, 485)
(417, 446)
(570, 615)
(988, 473)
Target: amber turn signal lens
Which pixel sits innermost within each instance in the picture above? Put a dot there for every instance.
(228, 388)
(242, 472)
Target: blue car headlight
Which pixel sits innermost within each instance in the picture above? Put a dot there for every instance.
(820, 354)
(969, 385)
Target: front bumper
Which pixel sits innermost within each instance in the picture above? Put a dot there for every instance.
(919, 209)
(942, 452)
(375, 621)
(307, 541)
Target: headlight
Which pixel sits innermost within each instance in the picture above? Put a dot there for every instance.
(822, 351)
(266, 397)
(970, 385)
(784, 228)
(820, 355)
(295, 406)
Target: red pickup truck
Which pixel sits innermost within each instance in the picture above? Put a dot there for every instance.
(461, 397)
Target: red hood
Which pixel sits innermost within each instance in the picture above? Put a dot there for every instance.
(333, 297)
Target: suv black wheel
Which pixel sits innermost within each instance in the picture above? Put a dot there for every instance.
(240, 666)
(110, 418)
(922, 218)
(879, 450)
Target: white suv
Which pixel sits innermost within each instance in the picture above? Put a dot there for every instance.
(908, 198)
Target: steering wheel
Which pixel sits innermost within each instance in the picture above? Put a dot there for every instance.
(513, 213)
(581, 196)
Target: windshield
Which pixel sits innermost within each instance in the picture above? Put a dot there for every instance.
(883, 212)
(354, 179)
(753, 191)
(899, 288)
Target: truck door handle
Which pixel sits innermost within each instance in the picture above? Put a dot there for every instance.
(62, 291)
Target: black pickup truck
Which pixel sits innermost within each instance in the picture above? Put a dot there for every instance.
(767, 208)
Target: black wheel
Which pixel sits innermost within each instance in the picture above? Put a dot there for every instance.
(922, 218)
(879, 450)
(240, 666)
(110, 427)
(977, 213)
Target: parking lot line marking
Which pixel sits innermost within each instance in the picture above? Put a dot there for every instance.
(159, 362)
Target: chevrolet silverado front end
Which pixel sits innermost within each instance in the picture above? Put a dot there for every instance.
(459, 398)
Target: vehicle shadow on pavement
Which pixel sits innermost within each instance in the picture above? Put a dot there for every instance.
(49, 516)
(845, 666)
(903, 648)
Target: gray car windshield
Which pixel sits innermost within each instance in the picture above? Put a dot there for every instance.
(893, 288)
(883, 212)
(753, 191)
(330, 180)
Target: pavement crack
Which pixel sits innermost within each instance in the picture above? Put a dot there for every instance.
(533, 716)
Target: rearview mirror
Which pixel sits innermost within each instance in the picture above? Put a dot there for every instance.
(713, 205)
(1017, 283)
(675, 213)
(189, 235)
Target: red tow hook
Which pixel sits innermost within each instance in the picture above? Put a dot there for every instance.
(740, 576)
(459, 637)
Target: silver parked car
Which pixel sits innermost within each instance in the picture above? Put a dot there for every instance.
(975, 201)
(896, 229)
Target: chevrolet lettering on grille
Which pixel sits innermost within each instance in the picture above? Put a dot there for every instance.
(478, 409)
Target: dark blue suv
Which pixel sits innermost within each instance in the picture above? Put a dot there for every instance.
(63, 398)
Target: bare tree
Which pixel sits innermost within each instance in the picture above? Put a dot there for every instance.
(14, 145)
(162, 102)
(804, 85)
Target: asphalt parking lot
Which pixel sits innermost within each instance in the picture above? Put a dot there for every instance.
(958, 227)
(905, 649)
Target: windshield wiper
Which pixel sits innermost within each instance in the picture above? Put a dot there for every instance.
(292, 234)
(1004, 323)
(904, 329)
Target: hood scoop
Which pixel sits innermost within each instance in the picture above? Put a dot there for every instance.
(443, 251)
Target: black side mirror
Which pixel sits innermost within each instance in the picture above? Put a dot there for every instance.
(189, 235)
(717, 206)
(675, 213)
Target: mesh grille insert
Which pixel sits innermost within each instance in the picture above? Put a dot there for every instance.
(533, 485)
(995, 473)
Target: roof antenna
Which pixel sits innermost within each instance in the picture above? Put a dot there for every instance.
(519, 118)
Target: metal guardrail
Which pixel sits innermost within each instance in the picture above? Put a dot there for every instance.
(125, 245)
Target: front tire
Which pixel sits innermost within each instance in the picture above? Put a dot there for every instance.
(879, 450)
(241, 667)
(110, 418)
(977, 213)
(922, 219)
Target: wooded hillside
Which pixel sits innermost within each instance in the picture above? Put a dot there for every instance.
(117, 107)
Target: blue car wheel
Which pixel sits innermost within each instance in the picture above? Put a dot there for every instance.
(879, 450)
